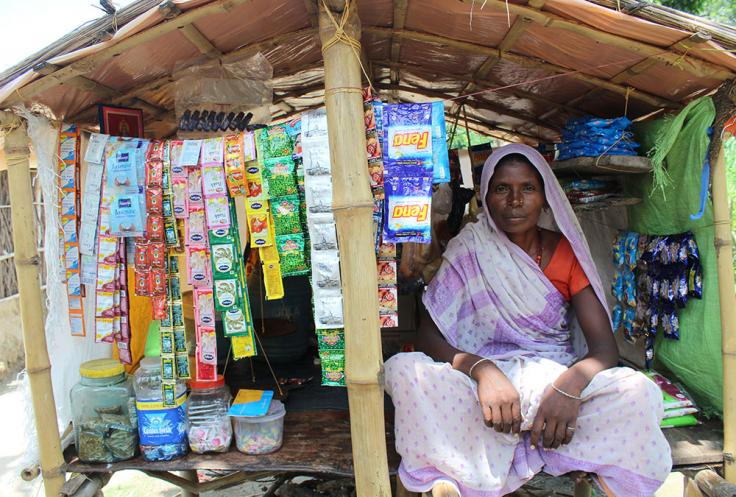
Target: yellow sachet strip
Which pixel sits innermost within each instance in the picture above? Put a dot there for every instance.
(273, 281)
(243, 346)
(259, 223)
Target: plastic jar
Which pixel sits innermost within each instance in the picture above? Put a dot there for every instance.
(208, 424)
(162, 430)
(261, 434)
(103, 412)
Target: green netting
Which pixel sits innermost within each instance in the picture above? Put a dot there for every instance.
(683, 142)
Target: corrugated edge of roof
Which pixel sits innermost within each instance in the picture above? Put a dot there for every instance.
(87, 34)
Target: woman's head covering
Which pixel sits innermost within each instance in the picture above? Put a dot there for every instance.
(564, 217)
(491, 298)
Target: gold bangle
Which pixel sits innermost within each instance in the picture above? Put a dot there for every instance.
(562, 392)
(470, 371)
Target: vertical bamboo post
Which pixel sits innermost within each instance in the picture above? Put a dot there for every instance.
(27, 261)
(353, 207)
(724, 256)
(725, 104)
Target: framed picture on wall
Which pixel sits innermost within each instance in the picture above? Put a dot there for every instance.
(120, 121)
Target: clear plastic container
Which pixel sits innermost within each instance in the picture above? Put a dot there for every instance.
(162, 430)
(208, 425)
(261, 434)
(103, 412)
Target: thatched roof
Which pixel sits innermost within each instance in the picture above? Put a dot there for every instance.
(545, 61)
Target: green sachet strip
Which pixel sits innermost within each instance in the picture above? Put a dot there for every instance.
(280, 173)
(333, 367)
(285, 211)
(274, 141)
(292, 254)
(331, 339)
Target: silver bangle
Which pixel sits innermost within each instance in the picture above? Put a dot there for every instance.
(470, 371)
(562, 392)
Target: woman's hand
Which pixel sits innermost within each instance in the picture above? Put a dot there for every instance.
(555, 421)
(499, 400)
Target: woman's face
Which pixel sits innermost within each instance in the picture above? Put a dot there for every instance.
(515, 197)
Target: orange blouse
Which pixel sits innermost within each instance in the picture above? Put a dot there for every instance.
(564, 271)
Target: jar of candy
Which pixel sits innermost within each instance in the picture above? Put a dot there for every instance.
(208, 424)
(261, 434)
(162, 429)
(103, 413)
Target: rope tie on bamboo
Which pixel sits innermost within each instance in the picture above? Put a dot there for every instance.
(341, 36)
(343, 89)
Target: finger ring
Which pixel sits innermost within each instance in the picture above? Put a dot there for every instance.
(570, 428)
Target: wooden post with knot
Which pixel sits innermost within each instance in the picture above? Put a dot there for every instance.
(32, 313)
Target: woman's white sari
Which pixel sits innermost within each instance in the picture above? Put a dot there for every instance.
(491, 299)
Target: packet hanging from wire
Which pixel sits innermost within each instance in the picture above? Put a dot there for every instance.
(259, 224)
(328, 310)
(326, 269)
(440, 156)
(69, 210)
(408, 210)
(235, 164)
(407, 132)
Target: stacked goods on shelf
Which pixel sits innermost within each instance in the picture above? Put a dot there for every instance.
(593, 137)
(679, 409)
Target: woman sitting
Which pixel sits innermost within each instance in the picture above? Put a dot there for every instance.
(497, 392)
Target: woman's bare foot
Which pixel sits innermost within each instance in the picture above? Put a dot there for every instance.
(444, 489)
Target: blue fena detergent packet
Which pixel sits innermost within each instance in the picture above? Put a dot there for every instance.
(440, 157)
(408, 209)
(407, 132)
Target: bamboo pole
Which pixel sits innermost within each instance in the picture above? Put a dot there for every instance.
(353, 207)
(724, 256)
(27, 261)
(725, 103)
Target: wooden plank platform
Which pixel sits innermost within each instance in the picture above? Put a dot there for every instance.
(318, 443)
(607, 164)
(315, 443)
(696, 445)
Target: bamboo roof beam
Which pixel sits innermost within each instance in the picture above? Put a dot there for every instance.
(252, 49)
(488, 83)
(312, 12)
(89, 63)
(636, 69)
(399, 21)
(525, 61)
(200, 41)
(695, 66)
(479, 104)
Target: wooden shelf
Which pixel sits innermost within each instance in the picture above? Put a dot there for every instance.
(606, 204)
(607, 164)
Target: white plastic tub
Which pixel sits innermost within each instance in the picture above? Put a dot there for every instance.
(262, 434)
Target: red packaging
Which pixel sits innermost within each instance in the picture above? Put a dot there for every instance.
(157, 281)
(142, 261)
(155, 228)
(155, 151)
(160, 307)
(141, 284)
(154, 198)
(154, 174)
(157, 255)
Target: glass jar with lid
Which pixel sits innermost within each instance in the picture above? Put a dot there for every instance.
(208, 425)
(162, 430)
(103, 413)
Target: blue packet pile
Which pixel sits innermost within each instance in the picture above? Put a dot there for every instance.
(591, 137)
